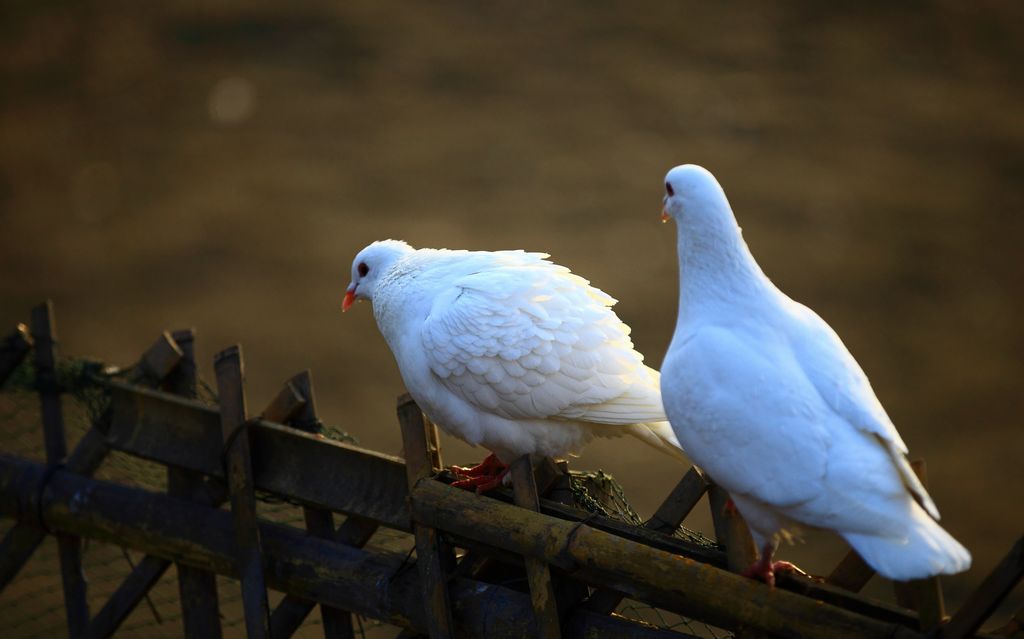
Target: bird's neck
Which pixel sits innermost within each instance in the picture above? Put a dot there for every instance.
(395, 302)
(406, 292)
(716, 268)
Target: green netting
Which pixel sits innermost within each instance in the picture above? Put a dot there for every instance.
(599, 493)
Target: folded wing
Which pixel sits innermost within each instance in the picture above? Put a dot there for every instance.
(526, 339)
(842, 384)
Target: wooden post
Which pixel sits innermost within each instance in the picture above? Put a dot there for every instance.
(642, 571)
(552, 482)
(177, 432)
(852, 573)
(184, 378)
(285, 405)
(559, 488)
(680, 502)
(44, 335)
(434, 451)
(1014, 626)
(230, 388)
(171, 430)
(987, 597)
(197, 589)
(355, 531)
(13, 350)
(731, 531)
(555, 483)
(157, 362)
(22, 540)
(429, 555)
(123, 601)
(433, 445)
(298, 407)
(666, 520)
(373, 583)
(155, 366)
(470, 560)
(538, 574)
(922, 595)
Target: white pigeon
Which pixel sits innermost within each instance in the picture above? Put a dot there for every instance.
(764, 396)
(508, 351)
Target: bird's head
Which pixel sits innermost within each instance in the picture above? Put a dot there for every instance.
(690, 189)
(369, 266)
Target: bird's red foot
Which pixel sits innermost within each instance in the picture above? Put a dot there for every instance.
(764, 569)
(489, 466)
(730, 508)
(482, 483)
(485, 476)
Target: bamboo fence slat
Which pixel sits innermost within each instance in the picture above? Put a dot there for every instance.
(197, 589)
(538, 574)
(214, 454)
(430, 551)
(238, 452)
(44, 336)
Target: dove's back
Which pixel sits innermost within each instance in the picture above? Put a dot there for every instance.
(507, 350)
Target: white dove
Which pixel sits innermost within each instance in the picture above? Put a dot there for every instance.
(508, 351)
(764, 396)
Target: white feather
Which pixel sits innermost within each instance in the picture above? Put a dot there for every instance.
(766, 398)
(507, 350)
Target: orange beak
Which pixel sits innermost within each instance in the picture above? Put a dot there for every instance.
(664, 216)
(350, 299)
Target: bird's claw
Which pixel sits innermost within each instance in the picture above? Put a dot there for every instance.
(766, 570)
(488, 467)
(485, 476)
(481, 483)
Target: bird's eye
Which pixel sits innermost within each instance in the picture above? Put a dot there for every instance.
(668, 189)
(363, 269)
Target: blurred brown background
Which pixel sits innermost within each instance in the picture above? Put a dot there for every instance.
(218, 165)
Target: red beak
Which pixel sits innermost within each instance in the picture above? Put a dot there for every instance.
(664, 216)
(350, 298)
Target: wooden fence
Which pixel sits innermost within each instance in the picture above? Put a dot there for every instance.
(578, 566)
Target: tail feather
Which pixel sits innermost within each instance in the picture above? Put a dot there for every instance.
(910, 479)
(925, 551)
(661, 436)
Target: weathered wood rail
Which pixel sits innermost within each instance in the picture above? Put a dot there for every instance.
(578, 566)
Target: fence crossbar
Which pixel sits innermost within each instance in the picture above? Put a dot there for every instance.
(352, 480)
(374, 585)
